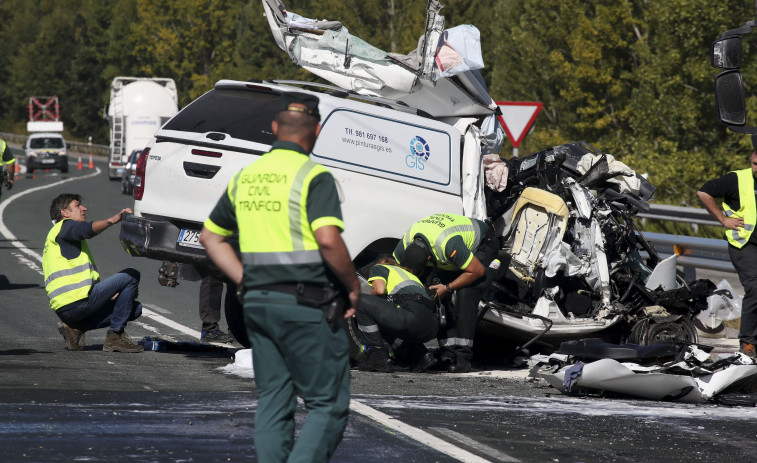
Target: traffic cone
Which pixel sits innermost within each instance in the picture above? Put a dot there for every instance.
(79, 165)
(91, 162)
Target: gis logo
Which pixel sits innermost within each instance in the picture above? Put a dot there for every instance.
(419, 153)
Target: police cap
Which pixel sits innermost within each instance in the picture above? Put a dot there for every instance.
(291, 100)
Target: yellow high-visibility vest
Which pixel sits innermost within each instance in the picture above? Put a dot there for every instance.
(270, 198)
(439, 228)
(739, 238)
(67, 280)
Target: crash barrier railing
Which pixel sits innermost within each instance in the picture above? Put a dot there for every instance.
(75, 146)
(694, 252)
(691, 215)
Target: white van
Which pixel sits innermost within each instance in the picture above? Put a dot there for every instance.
(392, 166)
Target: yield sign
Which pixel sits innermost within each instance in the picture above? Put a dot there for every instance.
(517, 117)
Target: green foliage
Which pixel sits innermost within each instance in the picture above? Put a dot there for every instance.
(631, 77)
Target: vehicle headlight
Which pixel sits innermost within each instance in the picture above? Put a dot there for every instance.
(32, 153)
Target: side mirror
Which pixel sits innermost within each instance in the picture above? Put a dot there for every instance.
(730, 101)
(726, 53)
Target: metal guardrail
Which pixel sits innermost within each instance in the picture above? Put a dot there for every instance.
(679, 214)
(704, 253)
(75, 146)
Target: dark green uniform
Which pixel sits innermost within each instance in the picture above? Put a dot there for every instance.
(276, 203)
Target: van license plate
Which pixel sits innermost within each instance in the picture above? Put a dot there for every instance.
(48, 161)
(189, 238)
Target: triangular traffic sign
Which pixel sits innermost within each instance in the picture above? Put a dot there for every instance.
(517, 117)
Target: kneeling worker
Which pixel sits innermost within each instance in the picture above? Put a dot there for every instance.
(77, 295)
(459, 250)
(408, 316)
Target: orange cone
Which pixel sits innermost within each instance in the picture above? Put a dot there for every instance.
(79, 165)
(91, 162)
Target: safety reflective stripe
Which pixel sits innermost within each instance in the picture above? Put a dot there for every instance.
(397, 343)
(748, 227)
(735, 236)
(282, 258)
(68, 272)
(64, 289)
(407, 280)
(456, 342)
(440, 240)
(369, 328)
(728, 213)
(295, 208)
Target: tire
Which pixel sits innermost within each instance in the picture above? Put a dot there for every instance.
(64, 169)
(235, 316)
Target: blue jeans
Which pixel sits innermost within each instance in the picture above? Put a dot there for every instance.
(100, 309)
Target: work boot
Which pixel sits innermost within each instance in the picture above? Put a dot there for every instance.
(424, 363)
(216, 336)
(747, 349)
(74, 338)
(378, 360)
(459, 366)
(119, 341)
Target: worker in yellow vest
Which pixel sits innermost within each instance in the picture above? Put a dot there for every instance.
(399, 312)
(286, 209)
(739, 217)
(7, 166)
(77, 295)
(456, 252)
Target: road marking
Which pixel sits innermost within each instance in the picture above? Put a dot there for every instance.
(410, 431)
(465, 440)
(417, 434)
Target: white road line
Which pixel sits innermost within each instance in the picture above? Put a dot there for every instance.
(414, 433)
(465, 440)
(410, 431)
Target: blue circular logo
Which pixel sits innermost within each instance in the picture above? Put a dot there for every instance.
(419, 147)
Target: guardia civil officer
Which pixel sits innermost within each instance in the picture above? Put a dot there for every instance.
(459, 250)
(287, 211)
(400, 312)
(77, 295)
(7, 164)
(739, 217)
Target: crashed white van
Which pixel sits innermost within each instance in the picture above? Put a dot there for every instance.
(407, 136)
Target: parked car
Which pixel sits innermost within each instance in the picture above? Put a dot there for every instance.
(46, 151)
(130, 170)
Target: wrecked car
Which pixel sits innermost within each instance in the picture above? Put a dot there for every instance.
(577, 263)
(406, 136)
(669, 372)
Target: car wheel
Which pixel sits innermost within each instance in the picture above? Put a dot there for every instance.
(64, 169)
(235, 316)
(30, 170)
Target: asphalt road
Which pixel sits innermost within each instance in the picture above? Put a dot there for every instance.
(178, 406)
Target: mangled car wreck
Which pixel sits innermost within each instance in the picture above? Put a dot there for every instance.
(574, 263)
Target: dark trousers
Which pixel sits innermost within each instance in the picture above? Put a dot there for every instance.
(111, 303)
(380, 320)
(745, 262)
(295, 352)
(456, 338)
(211, 294)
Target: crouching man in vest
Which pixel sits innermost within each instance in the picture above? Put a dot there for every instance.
(77, 295)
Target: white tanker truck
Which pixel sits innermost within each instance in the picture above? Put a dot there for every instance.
(139, 106)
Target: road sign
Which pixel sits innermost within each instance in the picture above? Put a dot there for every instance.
(517, 117)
